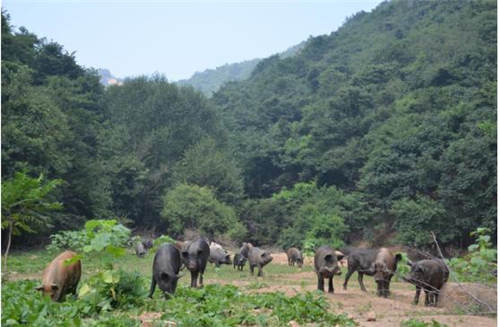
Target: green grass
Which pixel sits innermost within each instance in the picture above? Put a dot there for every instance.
(214, 305)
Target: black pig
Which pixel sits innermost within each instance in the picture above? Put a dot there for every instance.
(258, 258)
(166, 265)
(239, 260)
(326, 266)
(430, 275)
(379, 263)
(295, 256)
(195, 256)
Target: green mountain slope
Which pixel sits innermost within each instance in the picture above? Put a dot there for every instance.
(210, 80)
(398, 105)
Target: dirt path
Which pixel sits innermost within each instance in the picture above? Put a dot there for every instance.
(357, 304)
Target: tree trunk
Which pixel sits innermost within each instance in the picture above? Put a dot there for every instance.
(9, 241)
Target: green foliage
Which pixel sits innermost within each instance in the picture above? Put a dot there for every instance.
(205, 164)
(194, 207)
(151, 123)
(316, 216)
(480, 264)
(112, 289)
(26, 202)
(50, 121)
(395, 108)
(415, 219)
(211, 80)
(217, 305)
(161, 240)
(403, 268)
(419, 323)
(22, 305)
(393, 117)
(96, 236)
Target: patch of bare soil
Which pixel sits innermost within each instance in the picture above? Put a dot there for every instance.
(281, 258)
(469, 297)
(359, 305)
(13, 275)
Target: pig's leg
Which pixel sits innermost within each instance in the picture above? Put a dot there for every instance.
(201, 279)
(379, 288)
(321, 283)
(360, 280)
(417, 295)
(330, 285)
(153, 285)
(251, 269)
(260, 274)
(427, 297)
(386, 288)
(347, 276)
(194, 277)
(434, 296)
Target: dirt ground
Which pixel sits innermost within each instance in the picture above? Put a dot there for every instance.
(357, 304)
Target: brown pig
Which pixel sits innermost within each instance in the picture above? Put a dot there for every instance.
(61, 278)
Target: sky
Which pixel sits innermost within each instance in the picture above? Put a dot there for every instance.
(178, 38)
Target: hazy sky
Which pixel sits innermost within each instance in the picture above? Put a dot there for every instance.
(177, 38)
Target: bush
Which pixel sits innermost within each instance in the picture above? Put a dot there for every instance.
(415, 219)
(195, 207)
(98, 234)
(160, 240)
(403, 268)
(480, 264)
(317, 215)
(112, 289)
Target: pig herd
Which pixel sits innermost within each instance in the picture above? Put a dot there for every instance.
(62, 275)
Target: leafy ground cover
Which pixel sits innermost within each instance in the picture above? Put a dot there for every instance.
(229, 298)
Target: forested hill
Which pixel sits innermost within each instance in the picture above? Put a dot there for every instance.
(210, 80)
(396, 109)
(380, 132)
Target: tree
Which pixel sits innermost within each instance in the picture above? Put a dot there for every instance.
(205, 164)
(195, 207)
(25, 203)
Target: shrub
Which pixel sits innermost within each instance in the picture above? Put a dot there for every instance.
(195, 207)
(97, 235)
(113, 289)
(317, 216)
(480, 264)
(403, 268)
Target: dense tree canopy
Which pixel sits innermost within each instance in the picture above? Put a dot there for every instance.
(398, 106)
(381, 131)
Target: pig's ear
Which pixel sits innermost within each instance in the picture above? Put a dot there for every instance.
(54, 287)
(398, 257)
(409, 263)
(339, 255)
(39, 288)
